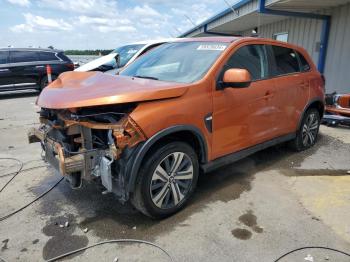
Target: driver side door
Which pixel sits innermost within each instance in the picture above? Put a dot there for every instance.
(244, 117)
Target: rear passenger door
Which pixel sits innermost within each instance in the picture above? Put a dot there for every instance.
(291, 85)
(24, 68)
(6, 81)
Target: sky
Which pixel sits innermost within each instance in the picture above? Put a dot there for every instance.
(99, 24)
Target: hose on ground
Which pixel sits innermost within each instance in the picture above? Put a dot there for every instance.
(15, 173)
(109, 242)
(312, 247)
(20, 169)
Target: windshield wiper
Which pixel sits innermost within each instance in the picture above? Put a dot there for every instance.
(147, 77)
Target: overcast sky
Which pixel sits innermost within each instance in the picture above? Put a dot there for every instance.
(98, 24)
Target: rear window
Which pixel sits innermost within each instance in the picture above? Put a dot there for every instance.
(286, 60)
(63, 57)
(3, 57)
(305, 66)
(23, 56)
(47, 56)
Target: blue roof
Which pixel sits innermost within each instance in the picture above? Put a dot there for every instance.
(219, 15)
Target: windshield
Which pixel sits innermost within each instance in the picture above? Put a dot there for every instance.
(126, 52)
(182, 62)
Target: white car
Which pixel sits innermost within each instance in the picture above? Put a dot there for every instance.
(121, 56)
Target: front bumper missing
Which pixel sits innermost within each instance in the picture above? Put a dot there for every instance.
(54, 153)
(88, 164)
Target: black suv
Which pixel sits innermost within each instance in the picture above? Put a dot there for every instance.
(25, 68)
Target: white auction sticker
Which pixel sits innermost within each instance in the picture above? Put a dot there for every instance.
(211, 47)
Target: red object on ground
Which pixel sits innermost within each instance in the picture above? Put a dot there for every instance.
(340, 105)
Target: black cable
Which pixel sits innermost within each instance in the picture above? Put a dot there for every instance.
(108, 242)
(315, 247)
(20, 209)
(24, 170)
(15, 173)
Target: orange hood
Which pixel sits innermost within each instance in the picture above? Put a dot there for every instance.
(83, 89)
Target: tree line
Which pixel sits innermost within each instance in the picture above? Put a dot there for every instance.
(88, 52)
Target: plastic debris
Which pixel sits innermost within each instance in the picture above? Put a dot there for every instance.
(326, 258)
(115, 259)
(348, 172)
(61, 225)
(66, 224)
(134, 228)
(105, 192)
(86, 230)
(309, 258)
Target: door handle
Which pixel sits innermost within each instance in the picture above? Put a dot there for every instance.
(39, 66)
(4, 70)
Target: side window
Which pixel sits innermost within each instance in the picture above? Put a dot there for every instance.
(47, 56)
(304, 65)
(4, 57)
(286, 60)
(252, 58)
(23, 56)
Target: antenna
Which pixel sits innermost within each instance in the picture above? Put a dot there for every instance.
(177, 30)
(230, 6)
(189, 19)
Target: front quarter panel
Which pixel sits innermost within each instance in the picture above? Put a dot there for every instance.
(189, 109)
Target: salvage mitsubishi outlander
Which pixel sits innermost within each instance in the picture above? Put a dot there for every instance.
(180, 110)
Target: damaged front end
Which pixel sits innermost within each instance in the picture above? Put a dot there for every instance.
(89, 144)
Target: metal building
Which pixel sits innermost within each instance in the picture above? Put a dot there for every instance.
(322, 27)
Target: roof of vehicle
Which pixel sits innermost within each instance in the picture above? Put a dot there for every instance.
(222, 39)
(155, 41)
(29, 49)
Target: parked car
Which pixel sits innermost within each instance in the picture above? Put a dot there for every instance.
(187, 106)
(25, 68)
(121, 57)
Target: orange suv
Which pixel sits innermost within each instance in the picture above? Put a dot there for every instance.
(187, 106)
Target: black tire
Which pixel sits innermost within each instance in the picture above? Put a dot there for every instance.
(307, 134)
(44, 81)
(153, 196)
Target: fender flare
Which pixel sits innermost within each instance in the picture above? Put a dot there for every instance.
(306, 108)
(143, 149)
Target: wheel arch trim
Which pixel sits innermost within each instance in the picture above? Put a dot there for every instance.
(142, 151)
(307, 107)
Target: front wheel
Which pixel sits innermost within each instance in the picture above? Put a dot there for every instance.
(166, 180)
(307, 134)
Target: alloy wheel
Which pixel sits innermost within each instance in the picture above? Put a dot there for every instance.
(310, 130)
(171, 180)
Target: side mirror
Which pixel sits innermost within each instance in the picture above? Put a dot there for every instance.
(236, 78)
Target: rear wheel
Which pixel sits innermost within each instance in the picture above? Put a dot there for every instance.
(307, 134)
(166, 180)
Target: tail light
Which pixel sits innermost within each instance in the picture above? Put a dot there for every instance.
(70, 66)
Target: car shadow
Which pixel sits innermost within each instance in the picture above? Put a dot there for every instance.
(107, 218)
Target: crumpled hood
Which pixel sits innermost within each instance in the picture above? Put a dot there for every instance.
(84, 89)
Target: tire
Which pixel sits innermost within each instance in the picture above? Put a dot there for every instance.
(44, 81)
(159, 191)
(307, 134)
